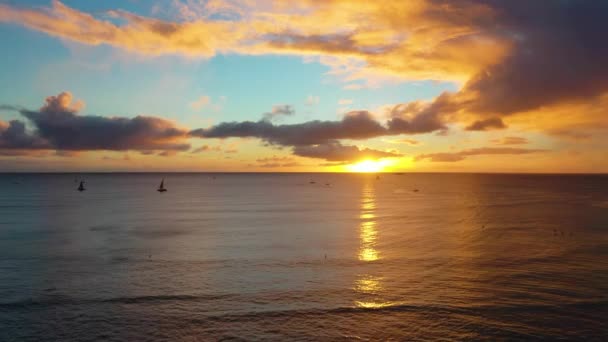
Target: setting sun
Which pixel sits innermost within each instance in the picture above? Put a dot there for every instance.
(370, 166)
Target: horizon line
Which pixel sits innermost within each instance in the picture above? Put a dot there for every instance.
(401, 173)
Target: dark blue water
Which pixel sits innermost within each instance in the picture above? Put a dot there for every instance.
(274, 257)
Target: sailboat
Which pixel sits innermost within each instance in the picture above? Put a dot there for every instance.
(81, 186)
(161, 187)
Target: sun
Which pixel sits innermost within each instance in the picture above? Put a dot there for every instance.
(369, 166)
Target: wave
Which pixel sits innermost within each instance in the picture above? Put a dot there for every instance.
(599, 305)
(61, 300)
(588, 306)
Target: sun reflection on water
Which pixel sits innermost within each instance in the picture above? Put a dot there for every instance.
(368, 232)
(369, 286)
(372, 305)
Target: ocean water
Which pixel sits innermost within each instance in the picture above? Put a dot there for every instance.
(276, 257)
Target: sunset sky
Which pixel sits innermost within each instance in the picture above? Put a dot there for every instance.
(316, 85)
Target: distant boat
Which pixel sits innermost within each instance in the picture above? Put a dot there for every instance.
(161, 187)
(81, 186)
(312, 182)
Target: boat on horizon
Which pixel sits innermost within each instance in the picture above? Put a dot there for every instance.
(81, 186)
(161, 187)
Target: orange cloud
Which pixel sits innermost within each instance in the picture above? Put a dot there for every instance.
(461, 155)
(200, 102)
(412, 39)
(140, 34)
(511, 141)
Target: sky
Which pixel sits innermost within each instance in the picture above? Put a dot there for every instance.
(306, 86)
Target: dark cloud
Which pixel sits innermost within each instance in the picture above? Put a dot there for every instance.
(461, 155)
(487, 124)
(417, 117)
(354, 125)
(334, 151)
(13, 135)
(58, 126)
(320, 139)
(559, 55)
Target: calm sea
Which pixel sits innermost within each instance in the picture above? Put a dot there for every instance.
(278, 257)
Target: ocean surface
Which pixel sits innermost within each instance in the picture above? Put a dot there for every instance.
(277, 257)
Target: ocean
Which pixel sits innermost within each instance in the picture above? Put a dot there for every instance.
(319, 257)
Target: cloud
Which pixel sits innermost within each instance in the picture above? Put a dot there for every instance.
(312, 100)
(415, 39)
(167, 153)
(571, 134)
(411, 142)
(200, 102)
(279, 111)
(13, 136)
(320, 139)
(527, 79)
(335, 151)
(354, 125)
(58, 126)
(511, 141)
(201, 149)
(140, 34)
(277, 165)
(510, 63)
(274, 159)
(125, 157)
(487, 124)
(231, 150)
(62, 103)
(526, 82)
(275, 162)
(458, 156)
(344, 102)
(207, 148)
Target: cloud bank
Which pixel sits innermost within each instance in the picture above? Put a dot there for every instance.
(320, 139)
(461, 155)
(58, 126)
(509, 61)
(517, 62)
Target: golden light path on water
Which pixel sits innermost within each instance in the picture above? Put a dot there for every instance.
(368, 232)
(369, 285)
